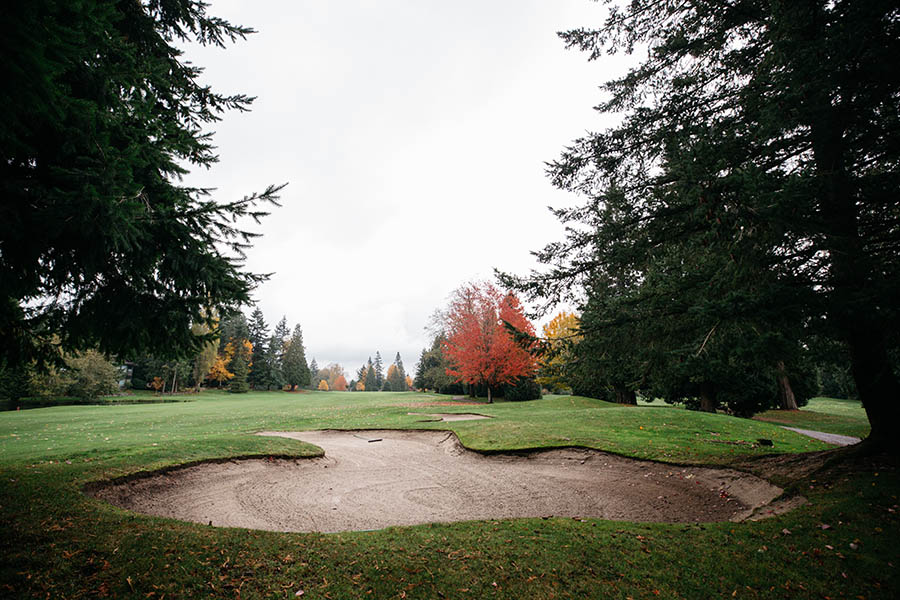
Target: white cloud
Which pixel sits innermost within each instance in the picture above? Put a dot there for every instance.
(414, 137)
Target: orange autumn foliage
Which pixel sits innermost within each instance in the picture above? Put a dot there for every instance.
(479, 347)
(340, 384)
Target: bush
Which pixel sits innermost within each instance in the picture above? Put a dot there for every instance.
(92, 375)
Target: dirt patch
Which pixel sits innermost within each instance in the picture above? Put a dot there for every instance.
(451, 416)
(414, 477)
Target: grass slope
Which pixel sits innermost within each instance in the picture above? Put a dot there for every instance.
(831, 415)
(59, 543)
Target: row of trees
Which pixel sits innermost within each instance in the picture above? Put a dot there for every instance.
(241, 354)
(372, 377)
(743, 212)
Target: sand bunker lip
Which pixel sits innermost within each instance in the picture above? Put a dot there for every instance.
(415, 477)
(437, 417)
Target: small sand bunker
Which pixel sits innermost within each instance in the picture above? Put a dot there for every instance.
(414, 477)
(450, 416)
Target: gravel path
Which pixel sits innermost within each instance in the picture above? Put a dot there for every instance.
(414, 477)
(831, 438)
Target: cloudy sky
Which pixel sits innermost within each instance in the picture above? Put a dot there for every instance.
(413, 135)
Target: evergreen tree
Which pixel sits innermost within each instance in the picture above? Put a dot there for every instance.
(313, 373)
(393, 382)
(379, 371)
(759, 148)
(280, 338)
(295, 370)
(396, 376)
(399, 362)
(240, 368)
(273, 377)
(233, 329)
(433, 367)
(282, 335)
(258, 334)
(419, 379)
(371, 380)
(102, 118)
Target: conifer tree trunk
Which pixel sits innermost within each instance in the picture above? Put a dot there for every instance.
(707, 397)
(859, 322)
(625, 395)
(786, 398)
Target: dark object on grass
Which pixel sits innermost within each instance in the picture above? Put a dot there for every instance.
(765, 442)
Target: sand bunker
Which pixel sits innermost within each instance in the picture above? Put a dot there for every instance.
(413, 477)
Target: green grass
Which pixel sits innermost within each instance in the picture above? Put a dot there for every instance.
(59, 543)
(831, 415)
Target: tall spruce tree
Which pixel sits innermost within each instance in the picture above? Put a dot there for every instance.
(281, 335)
(764, 136)
(396, 377)
(378, 365)
(295, 370)
(103, 246)
(240, 366)
(273, 378)
(313, 373)
(371, 381)
(398, 384)
(258, 334)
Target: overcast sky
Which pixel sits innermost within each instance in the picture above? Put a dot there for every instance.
(413, 136)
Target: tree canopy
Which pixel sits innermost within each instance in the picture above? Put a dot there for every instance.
(100, 242)
(746, 198)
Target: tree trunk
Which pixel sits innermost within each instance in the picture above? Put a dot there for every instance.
(707, 397)
(490, 400)
(853, 308)
(786, 399)
(625, 395)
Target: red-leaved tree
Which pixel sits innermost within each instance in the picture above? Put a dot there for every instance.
(340, 384)
(479, 347)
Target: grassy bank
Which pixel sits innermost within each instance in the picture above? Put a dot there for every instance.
(60, 543)
(831, 415)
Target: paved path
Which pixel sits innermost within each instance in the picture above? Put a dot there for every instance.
(831, 438)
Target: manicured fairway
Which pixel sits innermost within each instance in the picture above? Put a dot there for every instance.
(58, 542)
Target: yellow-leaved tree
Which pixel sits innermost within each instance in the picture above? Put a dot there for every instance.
(323, 386)
(560, 335)
(219, 371)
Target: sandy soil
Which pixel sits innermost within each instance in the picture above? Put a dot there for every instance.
(413, 477)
